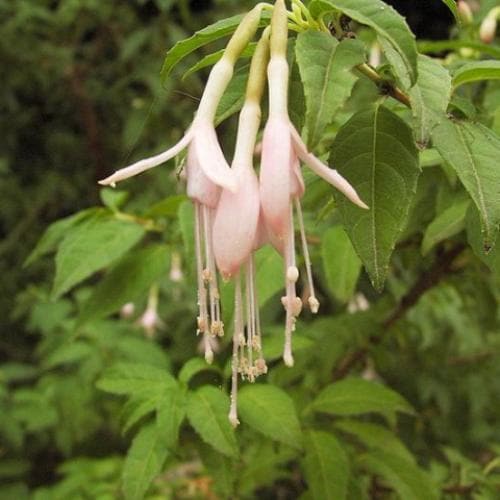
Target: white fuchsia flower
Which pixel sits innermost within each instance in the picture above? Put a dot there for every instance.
(281, 183)
(488, 28)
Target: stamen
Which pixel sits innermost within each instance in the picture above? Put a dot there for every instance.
(210, 275)
(312, 300)
(290, 301)
(202, 318)
(238, 331)
(249, 325)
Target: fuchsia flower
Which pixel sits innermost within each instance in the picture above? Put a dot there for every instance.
(281, 183)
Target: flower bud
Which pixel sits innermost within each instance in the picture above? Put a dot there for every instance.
(488, 29)
(464, 12)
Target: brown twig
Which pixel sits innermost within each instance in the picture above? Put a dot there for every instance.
(429, 279)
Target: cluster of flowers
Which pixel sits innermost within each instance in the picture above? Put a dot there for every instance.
(235, 211)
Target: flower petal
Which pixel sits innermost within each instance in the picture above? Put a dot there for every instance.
(235, 223)
(199, 186)
(211, 157)
(275, 175)
(147, 163)
(329, 174)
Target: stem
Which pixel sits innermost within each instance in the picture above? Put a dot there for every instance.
(385, 85)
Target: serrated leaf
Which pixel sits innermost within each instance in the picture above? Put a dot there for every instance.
(211, 59)
(452, 5)
(326, 466)
(135, 378)
(376, 153)
(390, 26)
(270, 411)
(92, 245)
(473, 151)
(194, 366)
(207, 411)
(326, 71)
(356, 396)
(406, 478)
(340, 262)
(429, 97)
(143, 463)
(375, 436)
(128, 280)
(475, 72)
(448, 223)
(171, 410)
(220, 468)
(209, 34)
(55, 233)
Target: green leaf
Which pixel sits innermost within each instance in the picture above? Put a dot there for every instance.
(448, 223)
(326, 466)
(136, 408)
(233, 98)
(375, 436)
(211, 59)
(356, 396)
(220, 468)
(270, 411)
(326, 72)
(476, 71)
(429, 97)
(473, 151)
(127, 281)
(376, 153)
(171, 410)
(135, 378)
(92, 245)
(407, 479)
(67, 353)
(113, 198)
(167, 207)
(194, 366)
(340, 262)
(207, 411)
(438, 46)
(55, 233)
(452, 5)
(390, 26)
(269, 271)
(215, 31)
(144, 462)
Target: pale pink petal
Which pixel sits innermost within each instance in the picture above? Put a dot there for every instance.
(199, 186)
(147, 163)
(235, 223)
(318, 167)
(275, 175)
(211, 157)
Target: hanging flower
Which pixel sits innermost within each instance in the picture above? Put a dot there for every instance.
(281, 183)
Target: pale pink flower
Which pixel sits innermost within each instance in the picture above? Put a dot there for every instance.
(281, 183)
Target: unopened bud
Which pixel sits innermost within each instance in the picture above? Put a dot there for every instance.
(176, 275)
(488, 29)
(127, 311)
(464, 12)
